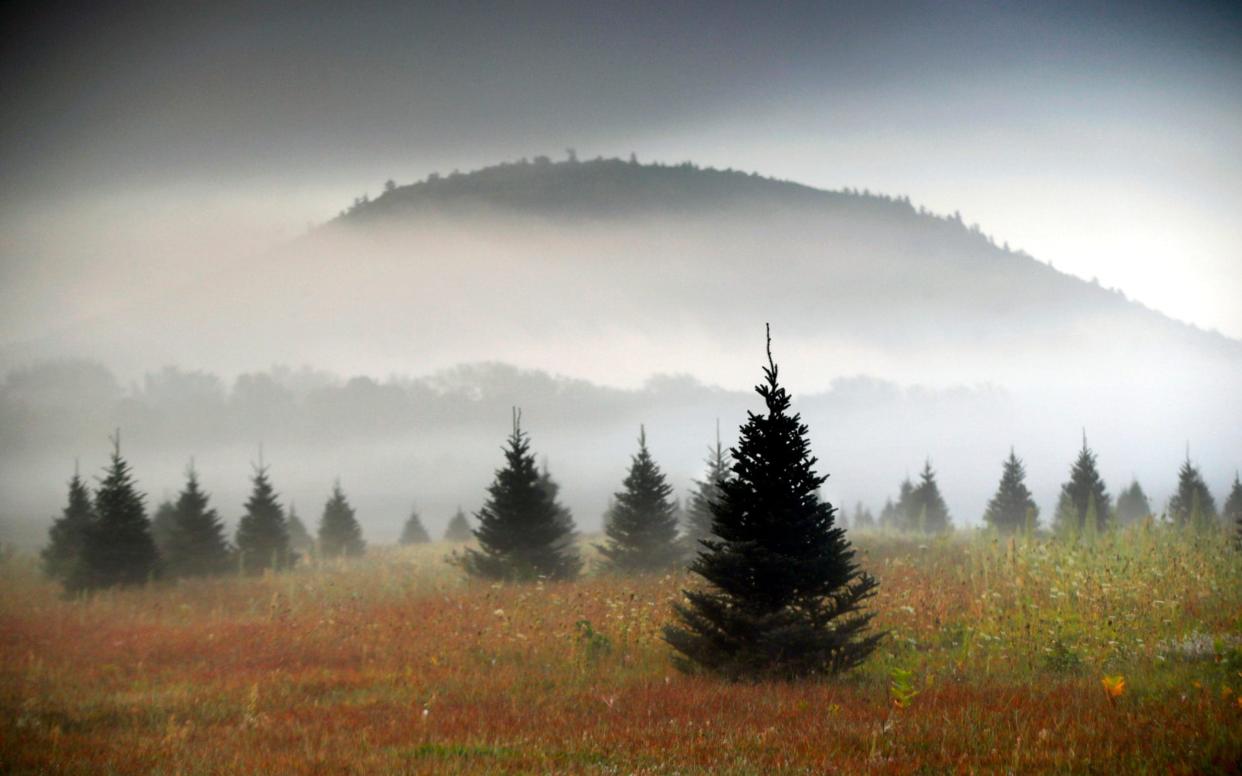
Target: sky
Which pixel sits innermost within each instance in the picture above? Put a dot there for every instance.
(1102, 138)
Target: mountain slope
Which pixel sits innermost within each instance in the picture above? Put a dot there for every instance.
(613, 271)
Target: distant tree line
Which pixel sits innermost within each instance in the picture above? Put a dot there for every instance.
(105, 539)
(1084, 508)
(781, 595)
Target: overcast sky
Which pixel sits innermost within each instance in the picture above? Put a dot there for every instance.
(1104, 138)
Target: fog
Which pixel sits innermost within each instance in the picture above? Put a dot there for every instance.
(173, 180)
(598, 296)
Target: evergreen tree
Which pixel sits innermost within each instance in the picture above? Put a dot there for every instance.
(927, 503)
(889, 519)
(641, 527)
(262, 533)
(119, 549)
(698, 515)
(905, 511)
(1084, 489)
(551, 490)
(863, 519)
(1007, 511)
(1132, 504)
(1233, 509)
(413, 532)
(784, 596)
(1067, 522)
(522, 531)
(68, 533)
(300, 540)
(163, 523)
(1192, 504)
(339, 532)
(197, 546)
(458, 529)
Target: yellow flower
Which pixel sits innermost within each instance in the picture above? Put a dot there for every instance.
(1115, 686)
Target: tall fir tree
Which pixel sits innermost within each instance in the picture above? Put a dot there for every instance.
(458, 529)
(339, 532)
(413, 531)
(1192, 505)
(68, 533)
(1233, 510)
(262, 533)
(300, 540)
(697, 525)
(641, 526)
(784, 595)
(197, 545)
(1008, 510)
(1084, 491)
(119, 549)
(931, 514)
(1132, 504)
(522, 533)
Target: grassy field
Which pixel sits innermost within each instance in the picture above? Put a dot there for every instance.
(1002, 657)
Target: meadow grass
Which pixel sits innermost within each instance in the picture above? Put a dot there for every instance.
(995, 662)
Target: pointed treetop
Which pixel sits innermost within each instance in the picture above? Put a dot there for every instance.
(771, 370)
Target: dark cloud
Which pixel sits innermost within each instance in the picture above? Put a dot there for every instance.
(110, 91)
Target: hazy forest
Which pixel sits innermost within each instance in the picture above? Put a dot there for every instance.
(585, 388)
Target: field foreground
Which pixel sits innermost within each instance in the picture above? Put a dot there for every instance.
(1025, 656)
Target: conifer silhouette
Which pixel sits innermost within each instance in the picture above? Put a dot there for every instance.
(1009, 509)
(927, 505)
(339, 532)
(262, 533)
(1192, 505)
(1084, 491)
(300, 540)
(784, 595)
(698, 515)
(162, 523)
(1233, 509)
(458, 529)
(68, 533)
(413, 531)
(197, 545)
(118, 549)
(522, 531)
(641, 526)
(1132, 504)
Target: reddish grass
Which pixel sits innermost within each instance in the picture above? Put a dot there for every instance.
(394, 665)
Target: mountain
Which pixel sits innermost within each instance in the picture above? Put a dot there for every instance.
(610, 272)
(614, 270)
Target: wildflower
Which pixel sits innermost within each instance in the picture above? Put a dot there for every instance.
(1115, 686)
